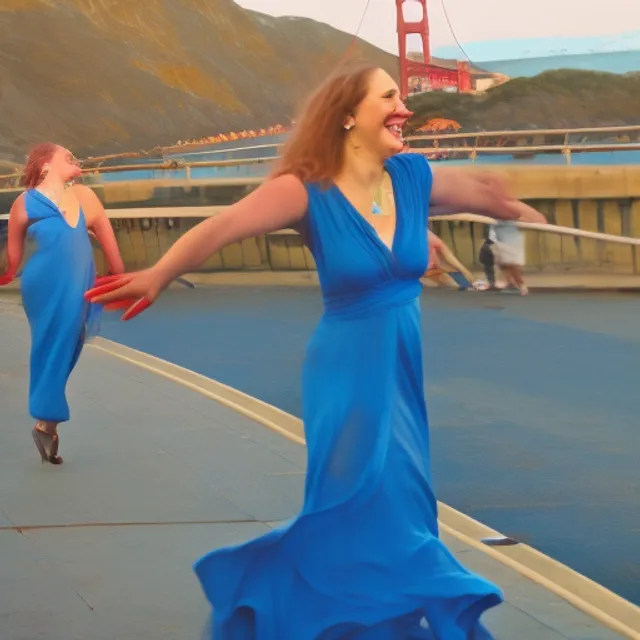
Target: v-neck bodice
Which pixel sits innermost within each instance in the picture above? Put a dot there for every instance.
(58, 246)
(40, 207)
(368, 225)
(352, 260)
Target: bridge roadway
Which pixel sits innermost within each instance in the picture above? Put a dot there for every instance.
(533, 402)
(157, 474)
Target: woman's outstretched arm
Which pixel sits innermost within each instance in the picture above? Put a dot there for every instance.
(459, 191)
(279, 203)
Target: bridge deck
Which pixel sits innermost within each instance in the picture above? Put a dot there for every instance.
(156, 475)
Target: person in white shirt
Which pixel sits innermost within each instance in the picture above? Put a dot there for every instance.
(509, 251)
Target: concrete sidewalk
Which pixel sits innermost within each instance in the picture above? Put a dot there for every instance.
(156, 475)
(541, 282)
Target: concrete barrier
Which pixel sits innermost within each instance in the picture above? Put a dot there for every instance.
(149, 216)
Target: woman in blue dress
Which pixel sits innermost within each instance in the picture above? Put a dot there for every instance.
(363, 559)
(58, 219)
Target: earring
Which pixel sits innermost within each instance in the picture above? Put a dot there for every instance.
(348, 127)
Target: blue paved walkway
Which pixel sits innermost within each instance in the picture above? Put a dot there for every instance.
(155, 475)
(533, 402)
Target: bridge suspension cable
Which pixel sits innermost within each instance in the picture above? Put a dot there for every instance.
(453, 33)
(347, 51)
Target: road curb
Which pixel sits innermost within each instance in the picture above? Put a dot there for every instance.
(603, 605)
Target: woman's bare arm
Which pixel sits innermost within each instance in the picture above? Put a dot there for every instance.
(98, 223)
(18, 222)
(277, 204)
(459, 191)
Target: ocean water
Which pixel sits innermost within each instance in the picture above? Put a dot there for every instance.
(611, 62)
(262, 169)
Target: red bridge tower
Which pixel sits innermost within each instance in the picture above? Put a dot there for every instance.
(437, 77)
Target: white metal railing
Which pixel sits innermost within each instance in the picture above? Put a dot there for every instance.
(526, 133)
(471, 151)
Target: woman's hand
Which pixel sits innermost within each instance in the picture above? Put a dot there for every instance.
(524, 213)
(529, 214)
(134, 291)
(435, 251)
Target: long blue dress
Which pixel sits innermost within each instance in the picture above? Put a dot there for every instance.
(57, 274)
(363, 560)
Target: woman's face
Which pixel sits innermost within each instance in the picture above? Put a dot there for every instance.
(380, 117)
(64, 165)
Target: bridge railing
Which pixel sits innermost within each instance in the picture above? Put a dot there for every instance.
(150, 215)
(483, 136)
(183, 169)
(529, 142)
(480, 138)
(435, 145)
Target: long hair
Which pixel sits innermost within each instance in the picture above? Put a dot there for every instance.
(32, 173)
(315, 149)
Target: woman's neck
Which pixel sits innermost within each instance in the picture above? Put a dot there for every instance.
(52, 188)
(361, 170)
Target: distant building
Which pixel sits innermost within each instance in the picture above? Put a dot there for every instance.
(484, 81)
(481, 80)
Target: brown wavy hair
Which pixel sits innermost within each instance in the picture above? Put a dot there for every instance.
(38, 156)
(314, 151)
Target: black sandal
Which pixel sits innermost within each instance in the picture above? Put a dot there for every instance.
(40, 437)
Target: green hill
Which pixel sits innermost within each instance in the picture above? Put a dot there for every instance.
(554, 99)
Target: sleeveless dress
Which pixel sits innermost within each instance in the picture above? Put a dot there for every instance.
(363, 560)
(57, 274)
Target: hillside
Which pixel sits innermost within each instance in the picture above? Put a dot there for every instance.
(121, 75)
(554, 99)
(115, 75)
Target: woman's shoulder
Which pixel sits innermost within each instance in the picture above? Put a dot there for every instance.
(82, 192)
(413, 165)
(22, 197)
(87, 200)
(19, 207)
(411, 173)
(27, 199)
(412, 159)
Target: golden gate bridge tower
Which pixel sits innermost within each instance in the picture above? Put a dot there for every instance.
(437, 77)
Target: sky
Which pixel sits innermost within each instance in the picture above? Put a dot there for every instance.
(475, 20)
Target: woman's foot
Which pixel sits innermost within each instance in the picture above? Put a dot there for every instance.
(47, 440)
